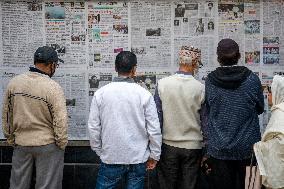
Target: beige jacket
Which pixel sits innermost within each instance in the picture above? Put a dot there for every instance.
(269, 151)
(34, 111)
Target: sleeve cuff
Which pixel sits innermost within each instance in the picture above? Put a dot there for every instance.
(157, 158)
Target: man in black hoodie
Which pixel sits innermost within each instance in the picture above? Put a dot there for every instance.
(234, 99)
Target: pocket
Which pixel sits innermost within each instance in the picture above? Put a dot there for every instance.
(110, 172)
(140, 169)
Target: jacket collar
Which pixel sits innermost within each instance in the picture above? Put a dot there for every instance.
(123, 79)
(33, 69)
(183, 73)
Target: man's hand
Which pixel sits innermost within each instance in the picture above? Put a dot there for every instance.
(151, 164)
(204, 165)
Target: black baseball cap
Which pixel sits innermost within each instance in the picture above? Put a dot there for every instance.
(46, 54)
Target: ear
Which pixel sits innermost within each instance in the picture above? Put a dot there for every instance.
(239, 56)
(133, 71)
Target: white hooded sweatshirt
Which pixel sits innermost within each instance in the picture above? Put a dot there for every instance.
(269, 151)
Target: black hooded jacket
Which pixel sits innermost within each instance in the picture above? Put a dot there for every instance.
(234, 98)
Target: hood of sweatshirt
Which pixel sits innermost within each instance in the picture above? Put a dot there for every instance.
(229, 77)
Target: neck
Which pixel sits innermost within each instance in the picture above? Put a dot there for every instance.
(42, 68)
(124, 75)
(229, 65)
(45, 69)
(186, 69)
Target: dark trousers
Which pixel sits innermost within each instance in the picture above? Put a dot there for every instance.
(178, 168)
(227, 174)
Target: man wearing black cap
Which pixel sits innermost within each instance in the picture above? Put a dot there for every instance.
(234, 100)
(35, 123)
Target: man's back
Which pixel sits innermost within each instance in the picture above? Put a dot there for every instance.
(181, 97)
(233, 112)
(31, 108)
(124, 109)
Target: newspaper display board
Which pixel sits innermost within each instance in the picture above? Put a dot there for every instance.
(89, 34)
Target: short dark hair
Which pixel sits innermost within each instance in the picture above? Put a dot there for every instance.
(228, 52)
(125, 61)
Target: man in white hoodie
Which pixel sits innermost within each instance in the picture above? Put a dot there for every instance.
(269, 151)
(179, 98)
(124, 128)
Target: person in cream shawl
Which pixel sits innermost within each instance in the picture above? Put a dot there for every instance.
(269, 151)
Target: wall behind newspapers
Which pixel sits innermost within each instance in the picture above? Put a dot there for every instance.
(88, 34)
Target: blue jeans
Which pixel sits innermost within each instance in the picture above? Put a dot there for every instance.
(110, 174)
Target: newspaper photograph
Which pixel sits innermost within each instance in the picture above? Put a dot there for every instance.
(96, 81)
(271, 53)
(230, 10)
(148, 80)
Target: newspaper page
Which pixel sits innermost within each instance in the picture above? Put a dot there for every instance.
(22, 31)
(1, 42)
(65, 27)
(194, 18)
(151, 33)
(231, 22)
(253, 36)
(195, 25)
(74, 84)
(107, 32)
(6, 76)
(273, 27)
